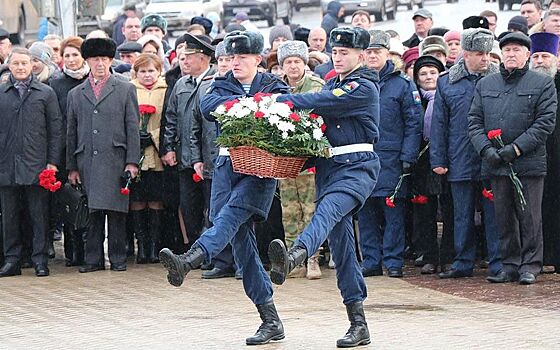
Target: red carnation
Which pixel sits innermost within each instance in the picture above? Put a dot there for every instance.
(492, 134)
(196, 178)
(295, 117)
(420, 199)
(125, 191)
(323, 127)
(313, 116)
(55, 186)
(290, 104)
(259, 115)
(229, 104)
(488, 194)
(147, 109)
(312, 170)
(259, 96)
(389, 202)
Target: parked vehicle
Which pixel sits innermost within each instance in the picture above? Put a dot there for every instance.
(178, 13)
(410, 3)
(105, 22)
(298, 4)
(19, 17)
(381, 9)
(508, 4)
(260, 10)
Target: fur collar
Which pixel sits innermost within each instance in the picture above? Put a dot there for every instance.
(459, 71)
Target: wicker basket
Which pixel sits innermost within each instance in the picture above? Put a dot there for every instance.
(254, 161)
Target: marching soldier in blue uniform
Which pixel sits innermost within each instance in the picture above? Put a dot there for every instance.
(236, 199)
(349, 105)
(382, 228)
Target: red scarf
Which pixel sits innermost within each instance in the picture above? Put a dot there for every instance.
(99, 86)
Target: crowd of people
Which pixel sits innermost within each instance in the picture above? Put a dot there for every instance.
(452, 126)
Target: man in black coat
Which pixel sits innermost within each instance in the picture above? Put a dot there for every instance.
(521, 103)
(544, 47)
(422, 24)
(30, 141)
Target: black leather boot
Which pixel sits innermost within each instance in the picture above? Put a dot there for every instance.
(179, 265)
(282, 262)
(129, 235)
(358, 333)
(155, 235)
(140, 222)
(271, 327)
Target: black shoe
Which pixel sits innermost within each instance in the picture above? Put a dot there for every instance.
(395, 272)
(419, 262)
(207, 266)
(501, 277)
(271, 327)
(446, 267)
(41, 270)
(527, 278)
(372, 272)
(118, 267)
(428, 269)
(238, 275)
(179, 265)
(454, 273)
(282, 262)
(91, 268)
(358, 333)
(10, 269)
(216, 272)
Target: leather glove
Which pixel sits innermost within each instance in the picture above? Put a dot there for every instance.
(145, 140)
(492, 157)
(507, 153)
(407, 167)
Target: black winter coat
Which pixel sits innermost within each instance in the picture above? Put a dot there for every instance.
(523, 105)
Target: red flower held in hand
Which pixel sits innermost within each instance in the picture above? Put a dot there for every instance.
(290, 104)
(492, 134)
(295, 117)
(259, 115)
(389, 202)
(323, 127)
(312, 170)
(196, 178)
(420, 199)
(47, 180)
(55, 186)
(229, 104)
(313, 116)
(125, 191)
(147, 109)
(488, 194)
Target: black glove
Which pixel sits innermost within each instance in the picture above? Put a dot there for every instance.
(125, 177)
(507, 153)
(492, 157)
(407, 167)
(145, 140)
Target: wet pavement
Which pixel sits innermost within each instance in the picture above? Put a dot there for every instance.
(138, 309)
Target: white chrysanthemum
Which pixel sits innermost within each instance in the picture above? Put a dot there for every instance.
(242, 112)
(306, 123)
(284, 134)
(221, 109)
(317, 134)
(281, 109)
(273, 119)
(286, 126)
(249, 103)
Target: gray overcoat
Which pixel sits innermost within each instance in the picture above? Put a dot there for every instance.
(103, 137)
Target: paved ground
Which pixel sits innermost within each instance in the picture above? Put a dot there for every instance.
(138, 309)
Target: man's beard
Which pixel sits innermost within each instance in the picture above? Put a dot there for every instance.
(548, 71)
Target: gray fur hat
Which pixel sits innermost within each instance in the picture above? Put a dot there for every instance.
(433, 43)
(220, 50)
(280, 31)
(379, 38)
(244, 43)
(293, 49)
(477, 39)
(41, 51)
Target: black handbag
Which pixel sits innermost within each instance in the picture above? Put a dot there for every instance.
(73, 206)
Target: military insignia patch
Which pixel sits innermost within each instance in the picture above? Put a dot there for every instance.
(338, 92)
(350, 86)
(416, 97)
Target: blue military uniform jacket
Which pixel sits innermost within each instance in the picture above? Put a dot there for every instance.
(350, 109)
(450, 144)
(400, 129)
(240, 190)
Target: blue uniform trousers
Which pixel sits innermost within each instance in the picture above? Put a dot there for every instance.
(333, 220)
(464, 195)
(236, 200)
(382, 237)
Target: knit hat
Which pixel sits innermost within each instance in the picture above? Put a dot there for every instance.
(292, 48)
(427, 60)
(452, 35)
(378, 39)
(98, 47)
(475, 22)
(544, 42)
(302, 34)
(279, 31)
(496, 50)
(410, 56)
(431, 44)
(244, 43)
(220, 50)
(241, 16)
(516, 38)
(477, 39)
(41, 51)
(396, 47)
(518, 23)
(153, 20)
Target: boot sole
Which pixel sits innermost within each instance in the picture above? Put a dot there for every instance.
(275, 338)
(360, 343)
(278, 255)
(172, 264)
